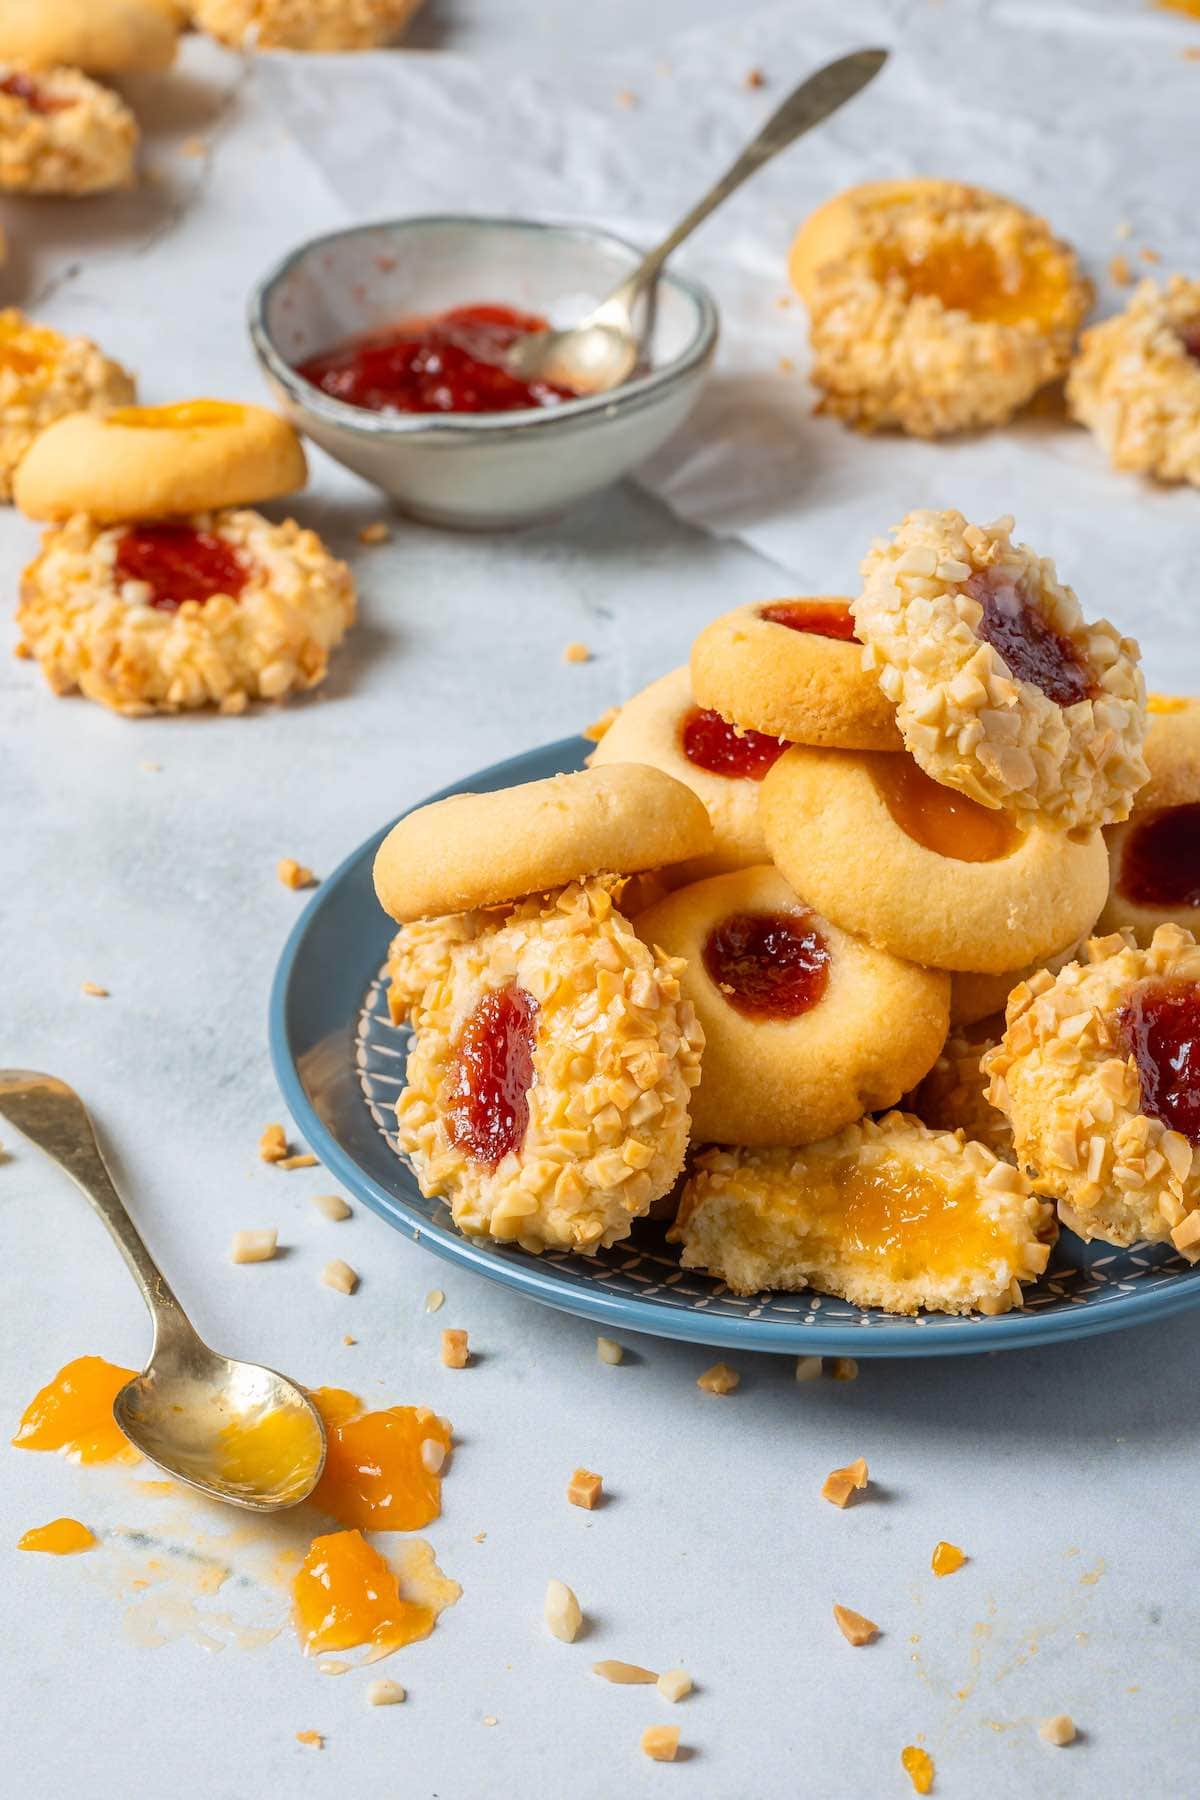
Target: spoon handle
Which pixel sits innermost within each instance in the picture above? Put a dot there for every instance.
(52, 1116)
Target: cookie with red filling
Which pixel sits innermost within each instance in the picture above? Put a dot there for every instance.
(1154, 855)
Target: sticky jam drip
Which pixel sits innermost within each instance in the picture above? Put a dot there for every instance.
(1160, 865)
(768, 965)
(24, 88)
(345, 1594)
(487, 1111)
(179, 563)
(61, 1537)
(820, 618)
(944, 821)
(1160, 1029)
(1033, 650)
(452, 363)
(377, 1475)
(73, 1413)
(712, 743)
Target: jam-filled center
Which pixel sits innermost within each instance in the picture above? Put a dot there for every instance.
(820, 618)
(487, 1113)
(31, 94)
(1015, 627)
(909, 1223)
(768, 965)
(178, 563)
(946, 822)
(712, 743)
(1160, 1029)
(1160, 864)
(970, 277)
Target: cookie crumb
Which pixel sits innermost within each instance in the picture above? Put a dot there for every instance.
(947, 1558)
(661, 1742)
(378, 532)
(626, 99)
(787, 365)
(562, 1613)
(385, 1693)
(490, 1719)
(575, 652)
(755, 78)
(294, 874)
(272, 1145)
(332, 1206)
(151, 768)
(624, 1674)
(339, 1276)
(480, 1537)
(808, 1368)
(1150, 256)
(844, 1369)
(94, 989)
(1119, 269)
(839, 1484)
(585, 1489)
(306, 1160)
(254, 1246)
(854, 1627)
(608, 1351)
(1059, 1730)
(455, 1352)
(720, 1379)
(314, 1739)
(434, 1300)
(349, 1340)
(674, 1684)
(596, 730)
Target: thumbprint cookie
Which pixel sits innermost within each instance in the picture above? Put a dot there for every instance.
(103, 37)
(44, 376)
(1136, 382)
(304, 24)
(62, 133)
(1155, 854)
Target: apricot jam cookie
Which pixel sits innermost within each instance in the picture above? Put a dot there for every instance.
(1002, 689)
(1098, 1073)
(921, 870)
(304, 24)
(885, 1214)
(550, 1070)
(953, 1096)
(1136, 382)
(219, 608)
(1155, 855)
(793, 669)
(61, 133)
(43, 376)
(805, 1028)
(934, 307)
(105, 37)
(666, 729)
(154, 462)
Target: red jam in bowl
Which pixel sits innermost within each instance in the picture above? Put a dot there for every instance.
(821, 618)
(1033, 650)
(451, 363)
(179, 563)
(1160, 1029)
(712, 743)
(488, 1110)
(768, 965)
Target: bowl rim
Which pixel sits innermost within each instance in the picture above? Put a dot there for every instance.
(630, 396)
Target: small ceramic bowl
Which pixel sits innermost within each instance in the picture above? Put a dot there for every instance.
(477, 470)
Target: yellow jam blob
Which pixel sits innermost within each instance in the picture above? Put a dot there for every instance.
(345, 1595)
(73, 1413)
(278, 1452)
(183, 415)
(908, 1222)
(918, 1766)
(377, 1475)
(972, 278)
(61, 1537)
(26, 348)
(938, 817)
(947, 1558)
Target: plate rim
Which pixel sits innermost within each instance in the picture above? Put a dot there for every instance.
(974, 1336)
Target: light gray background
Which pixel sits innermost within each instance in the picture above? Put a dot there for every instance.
(1066, 1475)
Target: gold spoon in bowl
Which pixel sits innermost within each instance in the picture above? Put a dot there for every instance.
(602, 350)
(234, 1430)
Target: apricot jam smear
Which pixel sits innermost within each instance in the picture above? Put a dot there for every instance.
(1015, 628)
(487, 1105)
(711, 742)
(377, 1475)
(73, 1413)
(944, 821)
(1160, 864)
(345, 1594)
(768, 965)
(61, 1537)
(820, 618)
(1160, 1029)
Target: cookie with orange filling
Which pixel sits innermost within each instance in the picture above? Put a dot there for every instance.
(304, 24)
(885, 1214)
(44, 376)
(922, 871)
(1135, 383)
(62, 133)
(1155, 854)
(104, 37)
(792, 669)
(934, 307)
(805, 1027)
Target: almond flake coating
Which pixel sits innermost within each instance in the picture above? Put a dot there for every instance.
(1073, 1096)
(270, 641)
(303, 24)
(85, 145)
(615, 1056)
(1136, 387)
(44, 375)
(965, 717)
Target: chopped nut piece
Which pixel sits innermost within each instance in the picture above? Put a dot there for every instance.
(562, 1612)
(193, 146)
(272, 1145)
(624, 1674)
(755, 78)
(1119, 269)
(332, 1206)
(844, 1369)
(294, 874)
(1150, 256)
(1059, 1730)
(854, 1627)
(454, 1349)
(808, 1368)
(490, 1719)
(480, 1537)
(306, 1160)
(947, 1558)
(661, 1742)
(349, 1340)
(787, 365)
(314, 1739)
(1186, 1235)
(576, 652)
(433, 1455)
(584, 1489)
(378, 532)
(918, 1765)
(384, 1693)
(720, 1379)
(339, 1276)
(94, 989)
(434, 1299)
(627, 99)
(608, 1351)
(674, 1684)
(253, 1246)
(841, 1483)
(334, 1667)
(151, 768)
(596, 730)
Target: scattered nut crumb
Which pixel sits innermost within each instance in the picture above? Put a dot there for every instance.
(306, 1160)
(94, 989)
(314, 1739)
(253, 1246)
(455, 1353)
(783, 302)
(625, 1674)
(841, 1483)
(294, 874)
(1150, 256)
(151, 768)
(272, 1145)
(1123, 229)
(608, 1351)
(585, 1489)
(720, 1379)
(378, 532)
(21, 650)
(1059, 1730)
(946, 1558)
(787, 365)
(854, 1627)
(596, 730)
(674, 1684)
(490, 1719)
(332, 1206)
(479, 1537)
(349, 1340)
(434, 1299)
(193, 146)
(808, 1368)
(626, 99)
(661, 1742)
(562, 1612)
(575, 652)
(844, 1369)
(334, 1667)
(339, 1276)
(755, 78)
(384, 1693)
(1119, 269)
(433, 1455)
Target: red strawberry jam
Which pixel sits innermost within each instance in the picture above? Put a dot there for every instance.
(1160, 1029)
(1161, 862)
(453, 363)
(488, 1110)
(768, 965)
(712, 743)
(822, 618)
(1033, 650)
(24, 88)
(1189, 337)
(179, 563)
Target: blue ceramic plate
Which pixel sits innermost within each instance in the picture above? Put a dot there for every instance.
(341, 1065)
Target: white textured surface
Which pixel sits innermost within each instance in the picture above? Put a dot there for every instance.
(715, 1551)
